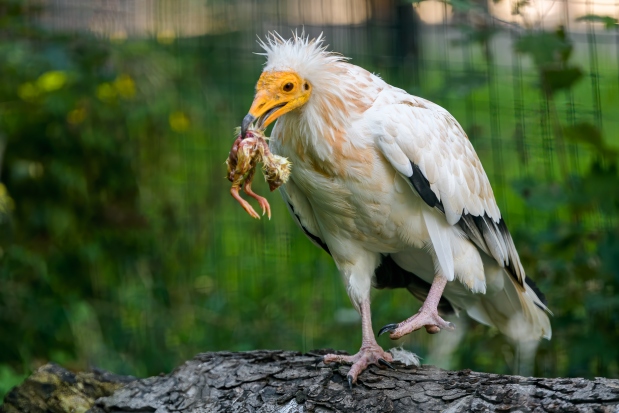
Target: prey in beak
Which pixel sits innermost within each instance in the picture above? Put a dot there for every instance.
(242, 162)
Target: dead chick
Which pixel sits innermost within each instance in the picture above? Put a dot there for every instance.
(246, 153)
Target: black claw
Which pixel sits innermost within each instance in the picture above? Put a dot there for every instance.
(349, 381)
(389, 327)
(385, 363)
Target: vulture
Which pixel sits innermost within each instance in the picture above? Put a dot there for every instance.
(390, 186)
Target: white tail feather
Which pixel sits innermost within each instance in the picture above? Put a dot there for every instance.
(441, 242)
(513, 310)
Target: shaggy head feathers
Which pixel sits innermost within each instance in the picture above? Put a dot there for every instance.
(306, 57)
(340, 94)
(336, 90)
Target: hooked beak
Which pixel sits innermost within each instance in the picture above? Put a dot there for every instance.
(247, 120)
(264, 110)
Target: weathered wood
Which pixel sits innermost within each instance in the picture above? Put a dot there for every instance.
(288, 382)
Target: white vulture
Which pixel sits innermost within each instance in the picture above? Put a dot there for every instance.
(390, 186)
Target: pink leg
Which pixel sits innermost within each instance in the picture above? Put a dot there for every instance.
(264, 204)
(426, 317)
(234, 191)
(370, 352)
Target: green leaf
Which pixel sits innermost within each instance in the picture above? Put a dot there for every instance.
(50, 81)
(462, 5)
(589, 134)
(608, 21)
(9, 378)
(584, 132)
(554, 79)
(463, 84)
(544, 47)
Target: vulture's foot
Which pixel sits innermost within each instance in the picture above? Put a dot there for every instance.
(427, 318)
(370, 354)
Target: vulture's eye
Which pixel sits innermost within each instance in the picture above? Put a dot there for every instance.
(288, 87)
(306, 86)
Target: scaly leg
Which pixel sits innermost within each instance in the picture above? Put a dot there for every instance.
(264, 204)
(426, 317)
(234, 191)
(370, 352)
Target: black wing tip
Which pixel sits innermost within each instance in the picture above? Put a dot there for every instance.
(511, 268)
(317, 240)
(422, 186)
(485, 221)
(537, 291)
(502, 226)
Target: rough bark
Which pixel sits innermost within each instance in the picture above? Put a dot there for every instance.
(288, 382)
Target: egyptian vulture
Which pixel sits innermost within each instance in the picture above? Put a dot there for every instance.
(390, 186)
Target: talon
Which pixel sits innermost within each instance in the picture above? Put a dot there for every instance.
(386, 363)
(389, 327)
(430, 320)
(350, 381)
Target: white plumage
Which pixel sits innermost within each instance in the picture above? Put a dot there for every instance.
(388, 183)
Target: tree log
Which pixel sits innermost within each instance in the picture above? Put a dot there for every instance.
(290, 382)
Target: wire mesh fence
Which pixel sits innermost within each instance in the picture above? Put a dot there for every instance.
(461, 55)
(141, 123)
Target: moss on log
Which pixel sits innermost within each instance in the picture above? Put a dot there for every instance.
(289, 382)
(53, 389)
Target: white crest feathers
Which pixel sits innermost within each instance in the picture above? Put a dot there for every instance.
(299, 53)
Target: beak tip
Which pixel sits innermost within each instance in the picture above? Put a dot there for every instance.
(247, 121)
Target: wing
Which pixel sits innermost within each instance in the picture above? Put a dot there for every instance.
(425, 144)
(303, 214)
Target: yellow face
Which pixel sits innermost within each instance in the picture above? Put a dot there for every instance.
(277, 93)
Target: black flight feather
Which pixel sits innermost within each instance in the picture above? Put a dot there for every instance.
(317, 240)
(422, 186)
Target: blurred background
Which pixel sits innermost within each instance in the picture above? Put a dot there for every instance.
(121, 248)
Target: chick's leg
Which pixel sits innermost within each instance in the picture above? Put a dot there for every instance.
(427, 316)
(234, 191)
(264, 204)
(370, 352)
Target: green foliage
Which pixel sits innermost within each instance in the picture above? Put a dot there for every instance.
(71, 196)
(573, 257)
(590, 135)
(9, 378)
(550, 53)
(608, 21)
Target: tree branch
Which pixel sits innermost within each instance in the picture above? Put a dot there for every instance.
(282, 381)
